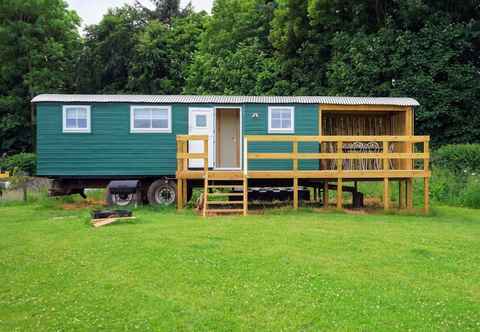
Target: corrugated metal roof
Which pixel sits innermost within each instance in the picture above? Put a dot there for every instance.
(186, 99)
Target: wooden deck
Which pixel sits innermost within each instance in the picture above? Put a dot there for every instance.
(395, 158)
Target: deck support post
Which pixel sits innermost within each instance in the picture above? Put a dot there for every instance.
(295, 193)
(325, 194)
(409, 189)
(179, 194)
(245, 195)
(426, 195)
(339, 193)
(386, 194)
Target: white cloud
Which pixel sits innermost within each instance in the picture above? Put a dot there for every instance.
(91, 11)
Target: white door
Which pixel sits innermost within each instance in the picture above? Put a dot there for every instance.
(200, 122)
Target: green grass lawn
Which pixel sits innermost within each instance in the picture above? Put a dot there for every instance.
(278, 271)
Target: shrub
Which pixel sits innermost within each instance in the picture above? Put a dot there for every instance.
(460, 159)
(25, 162)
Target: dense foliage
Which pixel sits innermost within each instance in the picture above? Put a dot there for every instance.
(456, 175)
(20, 162)
(425, 49)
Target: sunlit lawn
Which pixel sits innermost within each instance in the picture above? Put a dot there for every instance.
(281, 270)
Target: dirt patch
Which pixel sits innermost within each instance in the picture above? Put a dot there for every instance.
(87, 203)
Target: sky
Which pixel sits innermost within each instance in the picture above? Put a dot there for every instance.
(91, 11)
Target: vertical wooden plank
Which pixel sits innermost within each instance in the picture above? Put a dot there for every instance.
(340, 160)
(339, 193)
(295, 193)
(320, 129)
(385, 155)
(179, 180)
(185, 160)
(179, 194)
(205, 170)
(205, 159)
(426, 161)
(245, 195)
(325, 194)
(245, 156)
(295, 157)
(408, 132)
(426, 180)
(409, 188)
(401, 194)
(386, 194)
(426, 194)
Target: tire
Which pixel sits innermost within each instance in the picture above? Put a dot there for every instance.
(162, 192)
(119, 199)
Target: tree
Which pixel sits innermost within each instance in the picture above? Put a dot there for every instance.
(163, 54)
(109, 48)
(39, 43)
(428, 65)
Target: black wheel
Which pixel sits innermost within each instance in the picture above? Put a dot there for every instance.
(162, 192)
(119, 199)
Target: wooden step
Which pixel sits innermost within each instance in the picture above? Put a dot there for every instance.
(224, 202)
(225, 194)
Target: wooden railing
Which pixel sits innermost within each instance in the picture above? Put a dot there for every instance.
(391, 148)
(404, 151)
(183, 156)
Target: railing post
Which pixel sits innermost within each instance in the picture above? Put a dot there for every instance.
(245, 156)
(385, 155)
(179, 177)
(340, 159)
(295, 156)
(295, 169)
(339, 193)
(386, 194)
(426, 180)
(205, 170)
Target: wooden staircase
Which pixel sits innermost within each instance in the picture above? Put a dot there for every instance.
(225, 197)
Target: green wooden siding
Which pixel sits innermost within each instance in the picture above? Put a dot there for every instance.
(111, 150)
(306, 123)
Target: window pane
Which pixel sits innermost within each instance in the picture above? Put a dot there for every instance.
(71, 113)
(286, 124)
(82, 123)
(276, 123)
(142, 114)
(286, 115)
(160, 123)
(71, 123)
(276, 115)
(141, 123)
(160, 114)
(82, 113)
(201, 120)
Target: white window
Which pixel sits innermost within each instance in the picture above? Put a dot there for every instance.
(201, 121)
(151, 119)
(281, 119)
(76, 119)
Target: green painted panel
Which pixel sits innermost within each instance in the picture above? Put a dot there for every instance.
(110, 149)
(255, 122)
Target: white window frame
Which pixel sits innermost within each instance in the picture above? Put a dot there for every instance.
(76, 130)
(150, 130)
(281, 130)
